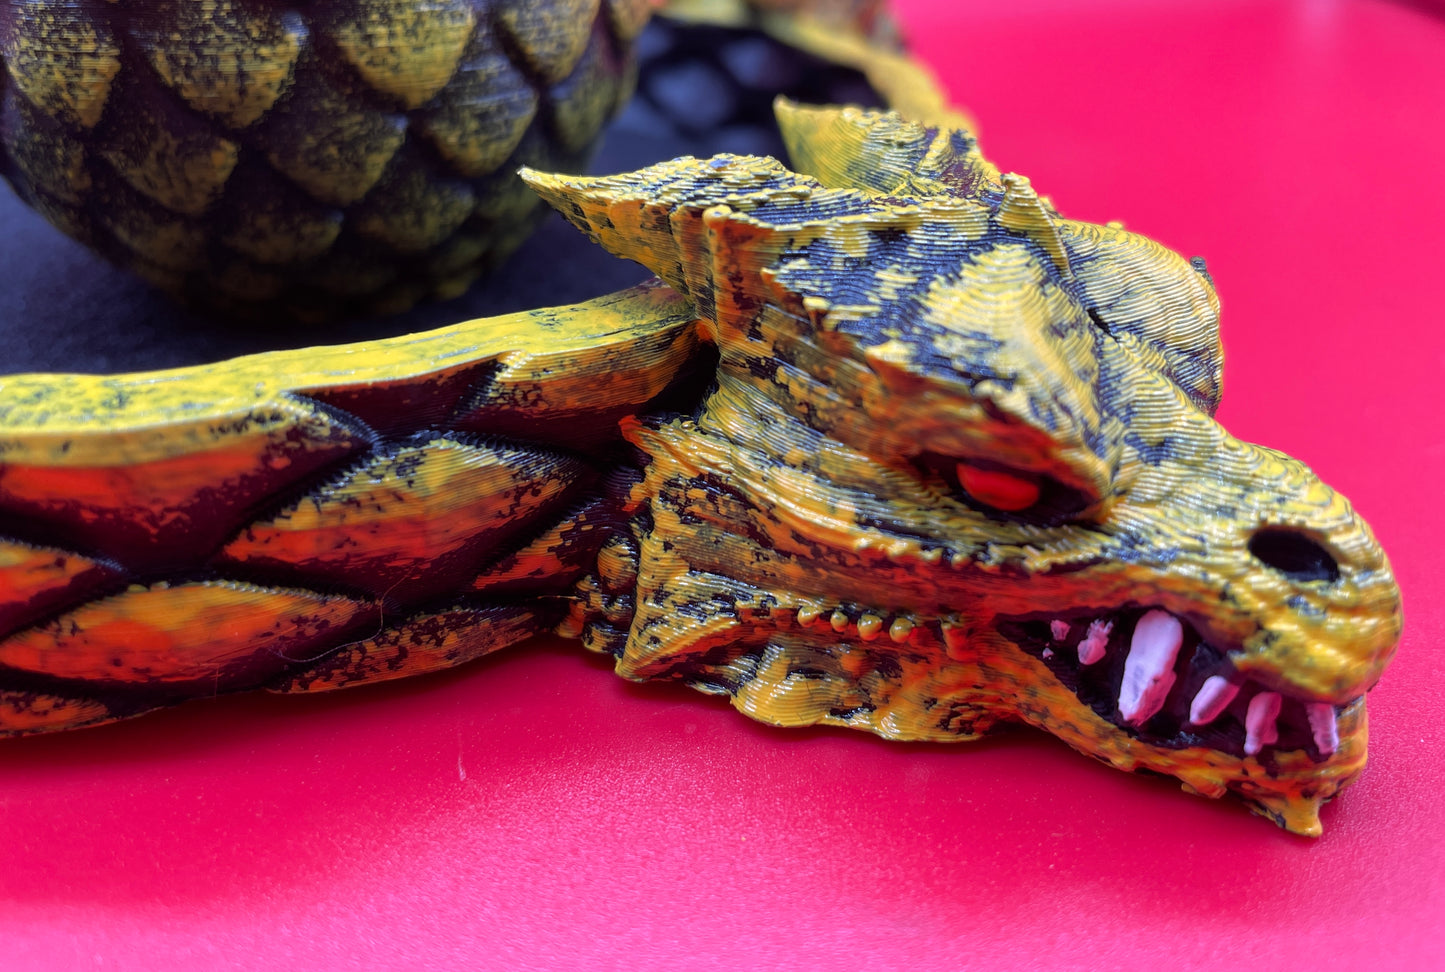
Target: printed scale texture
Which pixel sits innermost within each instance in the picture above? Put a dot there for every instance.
(891, 445)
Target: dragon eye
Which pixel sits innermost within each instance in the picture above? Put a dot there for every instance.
(1001, 490)
(1293, 554)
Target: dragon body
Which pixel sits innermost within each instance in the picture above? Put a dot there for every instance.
(890, 445)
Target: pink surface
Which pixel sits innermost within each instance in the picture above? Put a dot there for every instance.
(533, 811)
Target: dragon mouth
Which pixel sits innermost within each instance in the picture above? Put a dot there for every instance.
(1149, 673)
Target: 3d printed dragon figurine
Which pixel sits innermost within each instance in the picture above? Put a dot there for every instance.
(891, 445)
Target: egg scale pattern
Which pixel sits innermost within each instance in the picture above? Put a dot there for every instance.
(714, 86)
(322, 158)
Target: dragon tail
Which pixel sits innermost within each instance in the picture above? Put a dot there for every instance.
(307, 520)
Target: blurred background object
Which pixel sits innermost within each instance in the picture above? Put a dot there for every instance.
(317, 160)
(348, 159)
(705, 81)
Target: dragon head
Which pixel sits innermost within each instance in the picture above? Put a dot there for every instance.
(960, 466)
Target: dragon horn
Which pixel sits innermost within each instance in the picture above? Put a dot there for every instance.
(851, 147)
(665, 216)
(623, 214)
(885, 152)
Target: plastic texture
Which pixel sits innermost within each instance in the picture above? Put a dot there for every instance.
(534, 812)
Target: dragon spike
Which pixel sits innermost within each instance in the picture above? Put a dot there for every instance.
(675, 218)
(619, 214)
(1022, 211)
(881, 151)
(851, 147)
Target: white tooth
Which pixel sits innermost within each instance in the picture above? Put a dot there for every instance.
(1149, 669)
(1214, 697)
(1048, 653)
(1259, 722)
(1059, 629)
(1324, 726)
(1091, 649)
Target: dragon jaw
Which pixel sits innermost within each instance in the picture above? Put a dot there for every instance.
(817, 543)
(786, 588)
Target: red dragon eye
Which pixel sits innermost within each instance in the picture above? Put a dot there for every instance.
(1001, 490)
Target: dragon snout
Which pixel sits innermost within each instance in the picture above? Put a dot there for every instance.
(1326, 603)
(1294, 554)
(1276, 609)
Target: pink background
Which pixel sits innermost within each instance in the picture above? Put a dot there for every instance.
(534, 811)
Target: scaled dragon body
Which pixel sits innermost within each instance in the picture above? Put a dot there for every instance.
(891, 445)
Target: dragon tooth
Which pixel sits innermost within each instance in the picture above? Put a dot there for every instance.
(1260, 729)
(1059, 629)
(1149, 667)
(870, 626)
(955, 636)
(839, 620)
(807, 614)
(1091, 649)
(998, 489)
(1324, 726)
(900, 629)
(1213, 698)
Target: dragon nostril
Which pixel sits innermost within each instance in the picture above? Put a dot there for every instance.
(1294, 554)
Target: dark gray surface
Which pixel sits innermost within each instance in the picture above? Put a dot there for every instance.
(62, 308)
